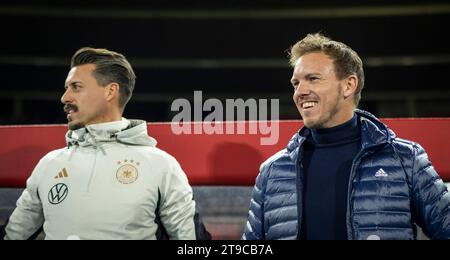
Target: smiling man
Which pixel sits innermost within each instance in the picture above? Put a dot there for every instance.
(345, 175)
(110, 182)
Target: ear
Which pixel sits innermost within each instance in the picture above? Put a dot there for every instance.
(112, 91)
(350, 85)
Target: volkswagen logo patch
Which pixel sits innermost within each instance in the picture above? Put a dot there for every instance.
(58, 193)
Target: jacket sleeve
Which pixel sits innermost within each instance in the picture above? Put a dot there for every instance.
(254, 228)
(177, 204)
(28, 216)
(431, 198)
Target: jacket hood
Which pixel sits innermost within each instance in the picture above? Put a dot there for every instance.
(131, 132)
(373, 132)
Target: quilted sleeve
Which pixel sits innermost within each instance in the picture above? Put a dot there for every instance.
(254, 228)
(431, 198)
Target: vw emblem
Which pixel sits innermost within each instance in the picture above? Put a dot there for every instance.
(58, 193)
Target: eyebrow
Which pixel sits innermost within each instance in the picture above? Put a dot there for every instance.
(313, 74)
(294, 79)
(72, 83)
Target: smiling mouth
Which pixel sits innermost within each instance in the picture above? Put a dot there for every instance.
(69, 115)
(308, 105)
(70, 110)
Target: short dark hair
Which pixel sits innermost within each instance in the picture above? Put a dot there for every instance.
(346, 61)
(110, 67)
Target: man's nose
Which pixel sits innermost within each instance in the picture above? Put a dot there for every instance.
(302, 90)
(65, 98)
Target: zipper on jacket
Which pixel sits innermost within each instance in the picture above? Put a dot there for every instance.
(299, 188)
(92, 174)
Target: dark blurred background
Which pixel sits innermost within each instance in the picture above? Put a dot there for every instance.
(226, 48)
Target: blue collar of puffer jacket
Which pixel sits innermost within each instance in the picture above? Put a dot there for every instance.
(373, 133)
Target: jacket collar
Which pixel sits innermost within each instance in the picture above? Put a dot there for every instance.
(126, 131)
(373, 133)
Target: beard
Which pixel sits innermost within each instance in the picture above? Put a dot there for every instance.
(328, 114)
(74, 126)
(323, 120)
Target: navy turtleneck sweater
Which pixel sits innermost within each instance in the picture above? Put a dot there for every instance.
(327, 161)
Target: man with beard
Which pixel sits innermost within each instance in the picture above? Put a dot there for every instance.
(345, 175)
(110, 182)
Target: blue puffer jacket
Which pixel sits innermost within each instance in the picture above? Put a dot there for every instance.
(392, 186)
